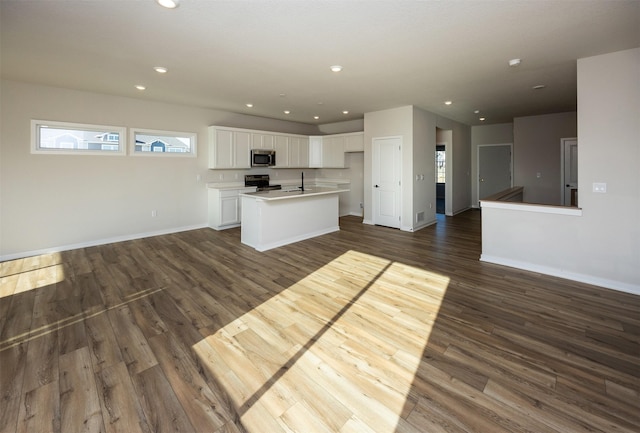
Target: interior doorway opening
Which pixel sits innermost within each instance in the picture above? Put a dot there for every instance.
(441, 179)
(444, 171)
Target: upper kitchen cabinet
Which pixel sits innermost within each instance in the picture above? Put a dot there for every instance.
(298, 152)
(354, 142)
(263, 141)
(229, 148)
(328, 151)
(282, 151)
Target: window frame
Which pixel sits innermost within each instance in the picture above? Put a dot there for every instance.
(37, 125)
(159, 134)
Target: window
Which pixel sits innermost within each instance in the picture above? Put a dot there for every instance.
(158, 143)
(76, 138)
(440, 164)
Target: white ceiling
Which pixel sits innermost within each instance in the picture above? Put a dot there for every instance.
(224, 54)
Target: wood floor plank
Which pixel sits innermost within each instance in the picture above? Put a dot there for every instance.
(121, 409)
(202, 406)
(12, 367)
(79, 403)
(40, 410)
(163, 414)
(133, 345)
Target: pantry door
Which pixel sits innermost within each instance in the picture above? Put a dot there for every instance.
(387, 190)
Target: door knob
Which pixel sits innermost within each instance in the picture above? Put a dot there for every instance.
(377, 186)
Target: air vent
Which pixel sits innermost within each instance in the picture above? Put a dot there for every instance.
(419, 217)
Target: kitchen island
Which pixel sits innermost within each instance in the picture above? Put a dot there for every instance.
(271, 219)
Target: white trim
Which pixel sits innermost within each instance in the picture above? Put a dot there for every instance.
(563, 273)
(562, 180)
(193, 136)
(37, 150)
(530, 207)
(459, 211)
(421, 226)
(97, 242)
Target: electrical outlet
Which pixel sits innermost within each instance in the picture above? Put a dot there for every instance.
(154, 213)
(361, 206)
(600, 187)
(198, 178)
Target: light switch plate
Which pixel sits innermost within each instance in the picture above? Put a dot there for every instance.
(600, 187)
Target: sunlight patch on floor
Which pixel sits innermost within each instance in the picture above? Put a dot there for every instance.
(22, 275)
(340, 346)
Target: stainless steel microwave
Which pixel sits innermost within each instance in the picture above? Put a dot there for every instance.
(263, 158)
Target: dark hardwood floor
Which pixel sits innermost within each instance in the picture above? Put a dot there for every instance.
(368, 329)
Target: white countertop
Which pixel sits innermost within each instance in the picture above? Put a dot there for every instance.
(287, 183)
(285, 194)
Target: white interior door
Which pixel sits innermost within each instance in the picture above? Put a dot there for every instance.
(570, 169)
(494, 169)
(386, 181)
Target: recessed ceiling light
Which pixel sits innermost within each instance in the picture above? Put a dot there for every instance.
(316, 117)
(287, 112)
(482, 119)
(345, 112)
(160, 69)
(169, 4)
(336, 68)
(282, 95)
(538, 86)
(140, 87)
(249, 105)
(476, 111)
(514, 62)
(448, 102)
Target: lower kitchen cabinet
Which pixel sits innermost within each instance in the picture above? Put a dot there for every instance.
(225, 207)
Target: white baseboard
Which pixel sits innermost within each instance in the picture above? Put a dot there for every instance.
(57, 249)
(556, 272)
(461, 210)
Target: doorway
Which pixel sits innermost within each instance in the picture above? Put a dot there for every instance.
(386, 175)
(441, 177)
(444, 171)
(495, 163)
(569, 167)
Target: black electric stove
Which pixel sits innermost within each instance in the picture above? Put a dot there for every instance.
(260, 181)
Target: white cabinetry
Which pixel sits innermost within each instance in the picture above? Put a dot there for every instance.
(315, 152)
(282, 151)
(328, 151)
(354, 142)
(298, 152)
(229, 148)
(225, 210)
(262, 141)
(292, 151)
(333, 151)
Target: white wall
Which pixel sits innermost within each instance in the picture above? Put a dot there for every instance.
(388, 123)
(603, 245)
(418, 131)
(53, 201)
(423, 163)
(537, 150)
